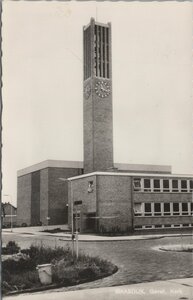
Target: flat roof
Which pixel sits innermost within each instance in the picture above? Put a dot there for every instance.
(130, 175)
(51, 164)
(143, 168)
(124, 168)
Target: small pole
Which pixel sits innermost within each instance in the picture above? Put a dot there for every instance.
(11, 218)
(72, 218)
(76, 234)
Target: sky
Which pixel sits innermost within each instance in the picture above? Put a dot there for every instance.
(43, 83)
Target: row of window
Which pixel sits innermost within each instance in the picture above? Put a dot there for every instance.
(158, 226)
(163, 209)
(162, 185)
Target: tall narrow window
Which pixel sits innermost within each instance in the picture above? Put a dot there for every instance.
(157, 209)
(191, 207)
(147, 186)
(156, 185)
(148, 209)
(166, 209)
(184, 209)
(191, 185)
(176, 210)
(166, 185)
(175, 185)
(184, 186)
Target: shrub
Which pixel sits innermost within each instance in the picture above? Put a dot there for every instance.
(24, 280)
(14, 266)
(22, 273)
(11, 248)
(41, 255)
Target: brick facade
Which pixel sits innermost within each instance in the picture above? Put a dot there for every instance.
(97, 111)
(110, 204)
(24, 199)
(42, 197)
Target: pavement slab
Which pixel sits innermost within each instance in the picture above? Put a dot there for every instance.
(181, 289)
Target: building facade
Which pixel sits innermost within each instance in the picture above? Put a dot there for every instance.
(8, 214)
(97, 97)
(111, 197)
(42, 196)
(128, 202)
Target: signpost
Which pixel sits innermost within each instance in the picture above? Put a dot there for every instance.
(76, 203)
(73, 203)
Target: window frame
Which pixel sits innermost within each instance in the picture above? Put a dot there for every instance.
(181, 188)
(166, 213)
(175, 189)
(156, 189)
(147, 213)
(147, 189)
(166, 189)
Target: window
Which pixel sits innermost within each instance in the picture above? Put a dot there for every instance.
(137, 184)
(166, 209)
(191, 185)
(158, 226)
(185, 225)
(184, 186)
(191, 207)
(167, 225)
(147, 186)
(138, 209)
(157, 209)
(90, 186)
(148, 209)
(176, 225)
(175, 185)
(156, 185)
(184, 208)
(166, 185)
(148, 226)
(176, 210)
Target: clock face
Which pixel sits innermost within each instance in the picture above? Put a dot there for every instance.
(102, 89)
(87, 91)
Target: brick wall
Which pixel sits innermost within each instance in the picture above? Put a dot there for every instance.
(80, 193)
(35, 198)
(114, 200)
(58, 194)
(24, 199)
(162, 197)
(44, 196)
(98, 131)
(162, 220)
(41, 195)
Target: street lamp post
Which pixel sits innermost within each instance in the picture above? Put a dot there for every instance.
(72, 212)
(7, 195)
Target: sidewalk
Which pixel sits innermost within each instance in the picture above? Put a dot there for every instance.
(174, 289)
(88, 237)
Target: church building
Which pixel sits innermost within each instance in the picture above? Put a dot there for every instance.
(101, 195)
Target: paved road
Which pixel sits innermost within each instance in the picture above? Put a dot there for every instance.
(136, 259)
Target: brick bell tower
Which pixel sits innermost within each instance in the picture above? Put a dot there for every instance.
(97, 106)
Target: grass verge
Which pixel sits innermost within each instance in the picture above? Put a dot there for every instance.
(177, 248)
